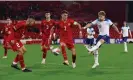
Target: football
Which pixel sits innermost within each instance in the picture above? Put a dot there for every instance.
(56, 51)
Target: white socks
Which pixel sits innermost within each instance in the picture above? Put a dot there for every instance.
(96, 46)
(96, 57)
(14, 63)
(125, 46)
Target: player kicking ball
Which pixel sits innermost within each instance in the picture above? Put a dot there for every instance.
(103, 25)
(16, 44)
(46, 30)
(66, 39)
(124, 30)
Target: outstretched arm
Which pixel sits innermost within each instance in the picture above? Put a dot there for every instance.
(130, 33)
(80, 28)
(116, 29)
(88, 25)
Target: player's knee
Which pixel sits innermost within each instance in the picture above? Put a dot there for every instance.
(73, 51)
(102, 41)
(24, 50)
(62, 44)
(20, 53)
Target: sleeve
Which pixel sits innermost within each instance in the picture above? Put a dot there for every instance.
(128, 28)
(110, 22)
(94, 22)
(73, 22)
(19, 25)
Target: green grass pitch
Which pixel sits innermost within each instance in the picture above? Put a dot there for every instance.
(114, 65)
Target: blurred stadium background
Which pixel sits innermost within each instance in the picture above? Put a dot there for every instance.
(81, 11)
(114, 63)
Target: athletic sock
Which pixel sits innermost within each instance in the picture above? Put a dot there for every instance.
(125, 46)
(16, 59)
(73, 58)
(21, 61)
(96, 56)
(5, 51)
(44, 53)
(64, 53)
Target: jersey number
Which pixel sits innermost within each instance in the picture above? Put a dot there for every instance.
(17, 44)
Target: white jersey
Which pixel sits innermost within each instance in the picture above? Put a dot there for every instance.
(125, 31)
(103, 26)
(90, 32)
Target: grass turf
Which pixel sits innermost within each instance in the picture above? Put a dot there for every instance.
(114, 65)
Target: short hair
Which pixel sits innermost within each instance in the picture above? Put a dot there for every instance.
(31, 17)
(64, 11)
(102, 13)
(47, 12)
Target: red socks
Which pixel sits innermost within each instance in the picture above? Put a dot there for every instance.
(16, 59)
(5, 52)
(21, 61)
(44, 53)
(73, 58)
(64, 53)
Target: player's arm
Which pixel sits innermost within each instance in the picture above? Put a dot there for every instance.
(116, 29)
(130, 33)
(80, 28)
(18, 26)
(51, 32)
(121, 33)
(90, 24)
(41, 30)
(87, 26)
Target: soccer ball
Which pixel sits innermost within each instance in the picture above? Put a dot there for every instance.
(56, 51)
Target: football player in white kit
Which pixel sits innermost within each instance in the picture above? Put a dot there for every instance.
(89, 41)
(124, 30)
(103, 25)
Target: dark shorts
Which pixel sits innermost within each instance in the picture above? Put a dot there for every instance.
(89, 41)
(124, 39)
(104, 37)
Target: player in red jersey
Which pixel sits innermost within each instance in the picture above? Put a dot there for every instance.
(17, 45)
(7, 31)
(66, 39)
(46, 30)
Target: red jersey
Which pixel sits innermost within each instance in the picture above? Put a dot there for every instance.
(20, 29)
(65, 29)
(8, 29)
(46, 27)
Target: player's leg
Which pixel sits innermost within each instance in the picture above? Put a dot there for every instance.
(18, 46)
(44, 50)
(5, 48)
(24, 49)
(100, 40)
(5, 52)
(73, 57)
(21, 60)
(71, 47)
(125, 44)
(96, 63)
(63, 50)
